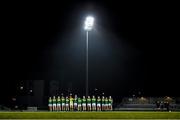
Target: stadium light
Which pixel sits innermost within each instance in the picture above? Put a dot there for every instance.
(89, 22)
(88, 25)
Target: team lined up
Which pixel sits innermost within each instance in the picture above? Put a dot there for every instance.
(69, 103)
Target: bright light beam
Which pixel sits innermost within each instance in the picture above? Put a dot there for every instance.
(89, 22)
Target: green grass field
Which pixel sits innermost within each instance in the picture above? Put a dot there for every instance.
(90, 115)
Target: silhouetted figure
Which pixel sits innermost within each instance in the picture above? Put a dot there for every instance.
(158, 105)
(166, 105)
(162, 105)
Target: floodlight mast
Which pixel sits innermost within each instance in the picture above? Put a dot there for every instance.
(88, 25)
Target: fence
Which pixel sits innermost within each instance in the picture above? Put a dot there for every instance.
(147, 100)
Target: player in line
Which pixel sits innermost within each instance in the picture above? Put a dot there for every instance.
(50, 104)
(54, 103)
(89, 103)
(110, 100)
(71, 99)
(79, 104)
(98, 103)
(67, 103)
(63, 101)
(93, 103)
(75, 103)
(58, 103)
(103, 103)
(84, 103)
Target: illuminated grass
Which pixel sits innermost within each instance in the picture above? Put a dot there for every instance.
(92, 119)
(89, 115)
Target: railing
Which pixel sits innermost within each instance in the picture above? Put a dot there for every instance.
(147, 100)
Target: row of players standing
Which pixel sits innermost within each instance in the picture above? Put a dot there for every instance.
(69, 103)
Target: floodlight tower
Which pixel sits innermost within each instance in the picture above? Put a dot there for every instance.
(88, 25)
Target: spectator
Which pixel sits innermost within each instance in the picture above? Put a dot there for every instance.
(162, 105)
(158, 105)
(167, 106)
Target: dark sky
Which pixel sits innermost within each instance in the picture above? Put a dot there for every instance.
(132, 48)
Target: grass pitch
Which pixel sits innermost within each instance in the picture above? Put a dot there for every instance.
(90, 115)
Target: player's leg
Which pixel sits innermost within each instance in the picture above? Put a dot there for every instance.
(60, 107)
(66, 107)
(75, 106)
(50, 107)
(111, 107)
(63, 107)
(94, 106)
(84, 107)
(103, 106)
(70, 107)
(57, 108)
(87, 107)
(98, 107)
(53, 107)
(107, 106)
(80, 108)
(90, 107)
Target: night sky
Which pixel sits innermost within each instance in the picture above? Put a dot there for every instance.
(132, 48)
